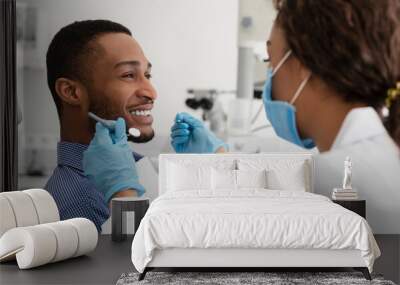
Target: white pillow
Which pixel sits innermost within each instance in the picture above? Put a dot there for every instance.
(293, 179)
(223, 179)
(226, 179)
(282, 174)
(184, 177)
(251, 179)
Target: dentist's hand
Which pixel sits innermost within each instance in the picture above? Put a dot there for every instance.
(108, 162)
(189, 135)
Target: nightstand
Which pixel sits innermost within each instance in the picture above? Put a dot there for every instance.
(120, 205)
(357, 206)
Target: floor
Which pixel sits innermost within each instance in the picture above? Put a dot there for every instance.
(110, 260)
(389, 262)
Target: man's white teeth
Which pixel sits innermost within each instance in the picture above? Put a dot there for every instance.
(141, 113)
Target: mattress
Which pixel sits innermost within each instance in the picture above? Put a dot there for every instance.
(251, 219)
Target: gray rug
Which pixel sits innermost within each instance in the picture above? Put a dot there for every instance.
(230, 278)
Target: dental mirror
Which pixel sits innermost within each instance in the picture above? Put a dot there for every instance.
(110, 125)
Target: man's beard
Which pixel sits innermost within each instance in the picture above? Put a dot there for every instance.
(104, 109)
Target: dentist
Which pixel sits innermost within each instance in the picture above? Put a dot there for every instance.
(333, 83)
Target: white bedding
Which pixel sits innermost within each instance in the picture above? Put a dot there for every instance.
(251, 218)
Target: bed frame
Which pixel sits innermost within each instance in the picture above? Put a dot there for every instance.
(248, 259)
(260, 259)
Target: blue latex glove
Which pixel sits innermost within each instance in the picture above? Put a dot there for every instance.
(108, 162)
(189, 135)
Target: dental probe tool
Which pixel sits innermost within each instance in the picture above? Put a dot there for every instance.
(110, 124)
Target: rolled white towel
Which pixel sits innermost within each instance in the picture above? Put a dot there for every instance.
(67, 240)
(26, 208)
(23, 208)
(40, 244)
(7, 217)
(32, 246)
(87, 235)
(46, 207)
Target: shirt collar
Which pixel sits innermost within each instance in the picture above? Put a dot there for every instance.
(71, 154)
(359, 124)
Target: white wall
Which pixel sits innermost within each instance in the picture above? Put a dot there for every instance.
(191, 44)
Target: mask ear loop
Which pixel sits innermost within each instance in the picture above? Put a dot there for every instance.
(275, 70)
(301, 87)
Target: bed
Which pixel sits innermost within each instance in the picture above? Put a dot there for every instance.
(247, 211)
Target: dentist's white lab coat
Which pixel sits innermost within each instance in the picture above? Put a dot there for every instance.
(376, 168)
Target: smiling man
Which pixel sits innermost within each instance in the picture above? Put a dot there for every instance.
(97, 66)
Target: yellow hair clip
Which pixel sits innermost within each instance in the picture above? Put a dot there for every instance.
(392, 94)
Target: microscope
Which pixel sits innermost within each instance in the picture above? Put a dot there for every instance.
(206, 100)
(239, 119)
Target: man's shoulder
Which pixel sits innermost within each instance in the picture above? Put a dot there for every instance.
(76, 196)
(69, 182)
(64, 174)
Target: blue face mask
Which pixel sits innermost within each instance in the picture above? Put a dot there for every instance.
(281, 114)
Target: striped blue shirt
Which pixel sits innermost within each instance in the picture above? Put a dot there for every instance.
(74, 194)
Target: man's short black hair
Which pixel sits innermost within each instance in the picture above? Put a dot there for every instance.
(71, 49)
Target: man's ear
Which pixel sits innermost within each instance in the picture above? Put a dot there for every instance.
(70, 91)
